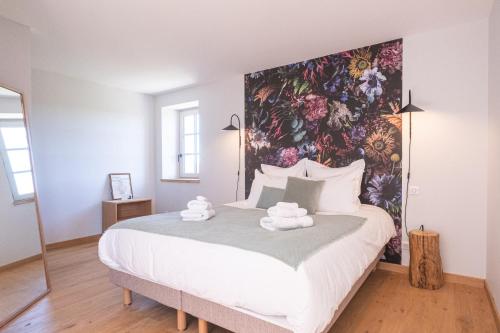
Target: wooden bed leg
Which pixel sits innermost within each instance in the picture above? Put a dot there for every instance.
(127, 296)
(181, 320)
(202, 326)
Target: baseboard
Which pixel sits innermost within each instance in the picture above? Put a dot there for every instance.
(494, 308)
(20, 262)
(448, 277)
(73, 242)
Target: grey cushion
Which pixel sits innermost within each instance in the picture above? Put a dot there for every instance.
(305, 192)
(270, 196)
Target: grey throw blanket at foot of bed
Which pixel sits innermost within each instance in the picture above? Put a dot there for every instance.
(240, 228)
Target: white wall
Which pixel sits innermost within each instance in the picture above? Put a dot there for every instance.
(82, 132)
(446, 70)
(219, 149)
(448, 74)
(493, 249)
(16, 222)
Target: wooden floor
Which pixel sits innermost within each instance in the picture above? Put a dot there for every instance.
(83, 300)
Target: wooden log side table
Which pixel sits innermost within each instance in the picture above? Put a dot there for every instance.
(425, 260)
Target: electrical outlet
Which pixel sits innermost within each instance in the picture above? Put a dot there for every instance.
(414, 190)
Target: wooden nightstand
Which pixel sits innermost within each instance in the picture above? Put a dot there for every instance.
(425, 260)
(117, 210)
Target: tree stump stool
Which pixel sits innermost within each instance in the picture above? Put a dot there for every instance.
(425, 260)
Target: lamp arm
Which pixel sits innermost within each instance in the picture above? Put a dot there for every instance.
(239, 151)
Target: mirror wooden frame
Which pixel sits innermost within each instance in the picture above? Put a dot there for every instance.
(37, 210)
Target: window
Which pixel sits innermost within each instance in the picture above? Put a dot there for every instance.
(16, 158)
(189, 140)
(180, 142)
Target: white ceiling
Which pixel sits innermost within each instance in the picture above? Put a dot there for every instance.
(158, 45)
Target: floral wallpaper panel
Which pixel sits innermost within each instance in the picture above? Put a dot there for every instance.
(334, 110)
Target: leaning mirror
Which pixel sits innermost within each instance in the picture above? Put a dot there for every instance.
(23, 278)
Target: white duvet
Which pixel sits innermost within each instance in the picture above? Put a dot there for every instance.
(302, 300)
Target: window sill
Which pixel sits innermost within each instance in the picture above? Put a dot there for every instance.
(180, 180)
(23, 201)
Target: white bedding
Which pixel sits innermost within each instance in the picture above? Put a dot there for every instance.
(302, 300)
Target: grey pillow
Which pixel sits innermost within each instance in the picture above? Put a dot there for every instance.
(270, 196)
(305, 192)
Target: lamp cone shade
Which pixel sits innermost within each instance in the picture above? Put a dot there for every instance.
(410, 107)
(231, 127)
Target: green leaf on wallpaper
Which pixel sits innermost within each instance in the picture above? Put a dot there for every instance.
(303, 87)
(298, 137)
(296, 85)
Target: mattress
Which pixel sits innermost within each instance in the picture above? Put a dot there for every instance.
(302, 300)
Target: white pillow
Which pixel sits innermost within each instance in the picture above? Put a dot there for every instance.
(342, 186)
(298, 170)
(318, 170)
(340, 194)
(259, 182)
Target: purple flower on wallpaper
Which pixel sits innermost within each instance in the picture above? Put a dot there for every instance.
(385, 191)
(390, 57)
(315, 107)
(307, 149)
(289, 156)
(344, 96)
(372, 85)
(358, 133)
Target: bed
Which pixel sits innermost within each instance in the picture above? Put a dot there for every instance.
(247, 291)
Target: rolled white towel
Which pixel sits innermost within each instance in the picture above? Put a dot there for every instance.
(292, 222)
(199, 205)
(201, 198)
(267, 223)
(285, 223)
(292, 205)
(190, 215)
(286, 212)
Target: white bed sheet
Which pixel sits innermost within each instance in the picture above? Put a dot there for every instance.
(302, 300)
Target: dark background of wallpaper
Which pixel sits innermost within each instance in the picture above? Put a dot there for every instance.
(333, 109)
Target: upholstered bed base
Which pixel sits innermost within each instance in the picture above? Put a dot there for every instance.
(215, 313)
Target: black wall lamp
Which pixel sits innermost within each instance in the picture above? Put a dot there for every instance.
(409, 108)
(231, 127)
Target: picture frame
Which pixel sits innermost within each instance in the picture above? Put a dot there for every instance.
(121, 186)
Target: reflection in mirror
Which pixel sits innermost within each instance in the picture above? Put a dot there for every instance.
(22, 266)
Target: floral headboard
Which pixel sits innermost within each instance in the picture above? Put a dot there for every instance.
(333, 109)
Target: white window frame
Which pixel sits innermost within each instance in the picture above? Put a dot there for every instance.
(170, 122)
(18, 198)
(182, 135)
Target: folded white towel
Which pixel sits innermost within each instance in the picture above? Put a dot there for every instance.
(190, 215)
(286, 212)
(267, 223)
(292, 205)
(199, 205)
(201, 198)
(285, 223)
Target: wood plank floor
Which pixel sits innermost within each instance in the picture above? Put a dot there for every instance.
(83, 300)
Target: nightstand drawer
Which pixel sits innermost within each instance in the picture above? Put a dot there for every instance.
(118, 210)
(134, 209)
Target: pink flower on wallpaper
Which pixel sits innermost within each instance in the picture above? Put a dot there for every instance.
(390, 57)
(315, 108)
(289, 156)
